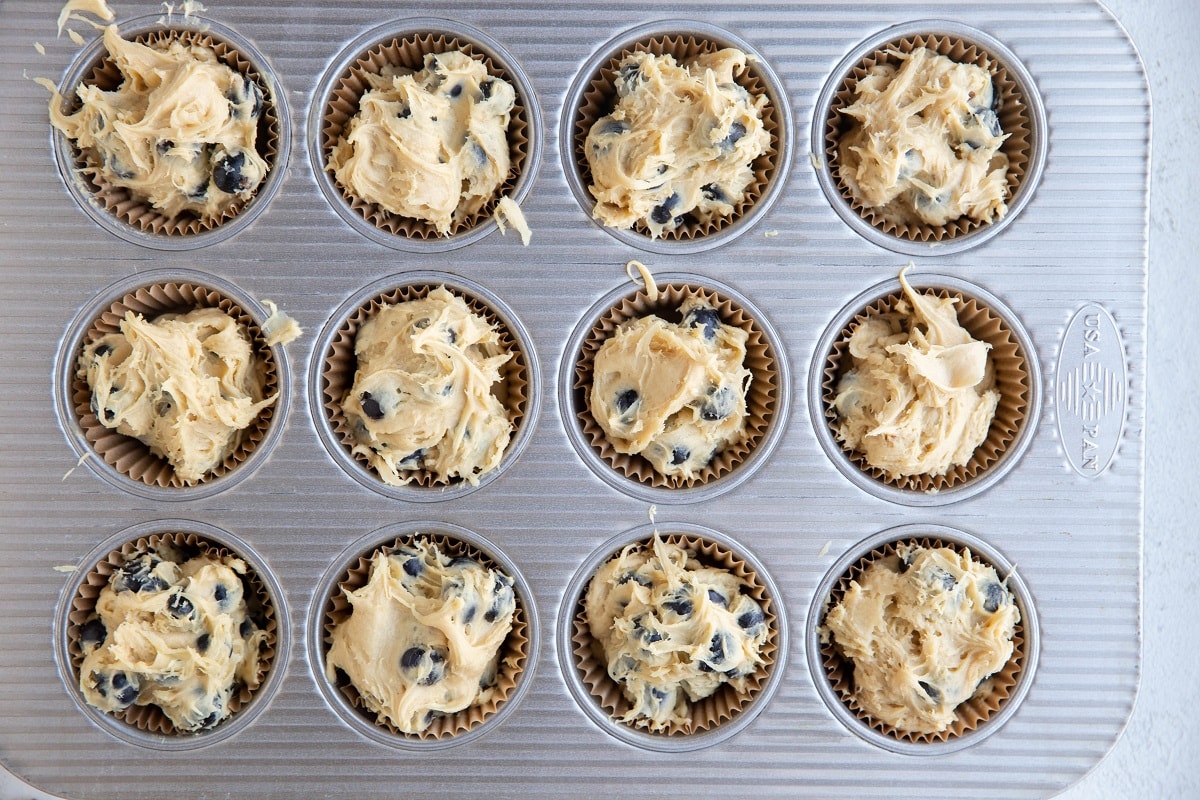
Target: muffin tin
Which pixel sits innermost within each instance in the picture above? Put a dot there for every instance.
(1068, 273)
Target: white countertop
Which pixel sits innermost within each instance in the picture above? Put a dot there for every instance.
(1157, 755)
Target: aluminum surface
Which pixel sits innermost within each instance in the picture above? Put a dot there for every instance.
(1082, 239)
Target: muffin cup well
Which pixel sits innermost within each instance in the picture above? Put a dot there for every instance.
(1018, 107)
(334, 367)
(767, 400)
(593, 94)
(978, 717)
(404, 44)
(517, 657)
(127, 462)
(714, 719)
(147, 726)
(1017, 375)
(113, 207)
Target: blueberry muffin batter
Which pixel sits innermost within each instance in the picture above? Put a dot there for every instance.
(179, 132)
(925, 142)
(679, 144)
(185, 385)
(925, 629)
(674, 393)
(672, 630)
(422, 395)
(173, 633)
(920, 396)
(424, 635)
(430, 145)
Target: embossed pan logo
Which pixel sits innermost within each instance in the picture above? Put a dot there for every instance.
(1090, 391)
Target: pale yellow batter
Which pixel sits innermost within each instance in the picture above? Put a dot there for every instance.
(672, 630)
(424, 635)
(920, 396)
(925, 629)
(674, 393)
(185, 385)
(171, 633)
(430, 145)
(925, 144)
(422, 395)
(179, 132)
(679, 144)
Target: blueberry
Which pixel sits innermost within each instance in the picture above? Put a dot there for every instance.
(480, 156)
(705, 317)
(456, 90)
(404, 113)
(681, 606)
(716, 648)
(180, 606)
(662, 214)
(220, 593)
(625, 400)
(199, 192)
(493, 613)
(717, 597)
(92, 633)
(109, 415)
(411, 659)
(645, 634)
(210, 720)
(994, 596)
(451, 336)
(703, 667)
(137, 576)
(414, 566)
(930, 690)
(103, 350)
(370, 406)
(632, 576)
(119, 169)
(413, 459)
(252, 90)
(989, 120)
(751, 619)
(163, 146)
(227, 173)
(944, 578)
(714, 193)
(718, 405)
(630, 75)
(612, 127)
(468, 614)
(680, 454)
(246, 629)
(437, 668)
(736, 131)
(485, 88)
(659, 696)
(202, 643)
(124, 690)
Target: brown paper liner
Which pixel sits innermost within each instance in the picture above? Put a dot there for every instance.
(1012, 381)
(1011, 109)
(337, 374)
(723, 705)
(180, 547)
(409, 53)
(135, 211)
(513, 656)
(600, 96)
(128, 455)
(761, 399)
(993, 693)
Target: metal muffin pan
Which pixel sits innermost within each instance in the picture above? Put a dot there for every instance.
(1071, 268)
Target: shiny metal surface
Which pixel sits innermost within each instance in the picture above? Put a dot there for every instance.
(1077, 541)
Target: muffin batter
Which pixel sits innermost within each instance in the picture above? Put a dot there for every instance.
(675, 393)
(925, 143)
(431, 145)
(672, 630)
(679, 144)
(184, 385)
(171, 633)
(424, 635)
(422, 395)
(925, 628)
(179, 132)
(920, 396)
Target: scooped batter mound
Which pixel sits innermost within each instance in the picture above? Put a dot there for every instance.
(679, 144)
(920, 396)
(173, 633)
(178, 132)
(675, 393)
(430, 145)
(422, 395)
(925, 628)
(925, 143)
(672, 630)
(424, 635)
(185, 385)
